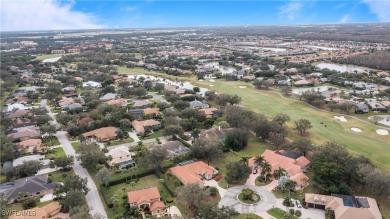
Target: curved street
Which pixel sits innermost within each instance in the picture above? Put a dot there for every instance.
(93, 199)
(267, 202)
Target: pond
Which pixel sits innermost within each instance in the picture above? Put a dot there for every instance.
(181, 84)
(343, 68)
(321, 47)
(382, 119)
(320, 89)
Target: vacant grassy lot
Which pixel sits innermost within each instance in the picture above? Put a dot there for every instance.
(254, 148)
(60, 175)
(55, 153)
(121, 191)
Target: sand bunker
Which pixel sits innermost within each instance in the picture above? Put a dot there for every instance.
(382, 132)
(211, 85)
(242, 86)
(200, 79)
(212, 80)
(341, 118)
(356, 129)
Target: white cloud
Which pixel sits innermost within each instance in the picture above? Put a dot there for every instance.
(344, 19)
(43, 15)
(292, 10)
(381, 8)
(130, 8)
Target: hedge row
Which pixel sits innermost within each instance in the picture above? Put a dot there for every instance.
(166, 185)
(184, 142)
(122, 179)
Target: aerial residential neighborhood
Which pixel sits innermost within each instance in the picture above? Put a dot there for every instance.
(209, 122)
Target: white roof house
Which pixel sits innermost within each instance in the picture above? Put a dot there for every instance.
(14, 107)
(92, 84)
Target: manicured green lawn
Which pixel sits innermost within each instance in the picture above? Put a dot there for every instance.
(154, 135)
(277, 213)
(367, 143)
(255, 147)
(120, 141)
(41, 204)
(248, 216)
(121, 190)
(75, 145)
(47, 56)
(55, 153)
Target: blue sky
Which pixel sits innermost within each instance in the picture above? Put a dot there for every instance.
(79, 14)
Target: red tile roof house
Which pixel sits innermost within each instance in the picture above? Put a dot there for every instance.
(84, 120)
(20, 113)
(194, 173)
(31, 145)
(139, 126)
(147, 199)
(65, 102)
(102, 134)
(208, 112)
(295, 168)
(345, 206)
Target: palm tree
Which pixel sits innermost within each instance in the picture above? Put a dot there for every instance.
(244, 160)
(279, 172)
(259, 160)
(266, 170)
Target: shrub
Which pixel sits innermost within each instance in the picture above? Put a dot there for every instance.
(29, 203)
(292, 211)
(110, 205)
(298, 213)
(124, 197)
(169, 200)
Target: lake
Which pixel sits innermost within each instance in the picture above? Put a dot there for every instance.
(342, 68)
(181, 84)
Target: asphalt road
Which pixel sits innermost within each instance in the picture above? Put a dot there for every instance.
(93, 199)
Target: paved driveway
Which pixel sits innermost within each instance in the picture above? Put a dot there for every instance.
(268, 200)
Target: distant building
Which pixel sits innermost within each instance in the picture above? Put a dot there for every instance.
(58, 51)
(361, 108)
